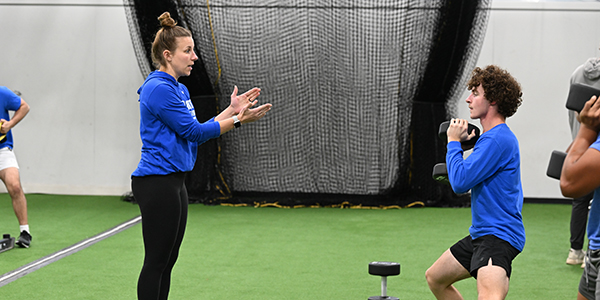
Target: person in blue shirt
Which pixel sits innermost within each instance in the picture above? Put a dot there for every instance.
(579, 176)
(9, 168)
(492, 172)
(588, 74)
(170, 135)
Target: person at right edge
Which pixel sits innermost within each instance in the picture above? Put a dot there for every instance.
(579, 177)
(170, 135)
(493, 174)
(588, 74)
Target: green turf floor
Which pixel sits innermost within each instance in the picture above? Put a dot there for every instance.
(272, 253)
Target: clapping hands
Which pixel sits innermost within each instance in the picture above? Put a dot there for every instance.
(243, 105)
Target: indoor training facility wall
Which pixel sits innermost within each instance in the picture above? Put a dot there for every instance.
(74, 63)
(540, 44)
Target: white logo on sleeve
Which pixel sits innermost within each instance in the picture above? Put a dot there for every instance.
(190, 107)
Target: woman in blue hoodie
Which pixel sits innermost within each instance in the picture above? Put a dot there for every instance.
(170, 135)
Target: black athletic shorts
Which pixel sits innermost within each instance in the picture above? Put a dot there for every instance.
(474, 254)
(589, 285)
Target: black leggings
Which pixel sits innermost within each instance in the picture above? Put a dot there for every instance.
(579, 216)
(163, 202)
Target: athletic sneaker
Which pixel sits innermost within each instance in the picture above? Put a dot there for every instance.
(24, 239)
(575, 257)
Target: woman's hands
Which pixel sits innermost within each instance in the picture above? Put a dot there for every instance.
(238, 102)
(248, 114)
(241, 106)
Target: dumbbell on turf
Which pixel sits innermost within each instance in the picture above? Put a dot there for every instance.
(440, 172)
(6, 243)
(384, 269)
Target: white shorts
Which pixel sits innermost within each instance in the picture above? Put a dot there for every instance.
(7, 159)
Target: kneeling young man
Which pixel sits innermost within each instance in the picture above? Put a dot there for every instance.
(493, 174)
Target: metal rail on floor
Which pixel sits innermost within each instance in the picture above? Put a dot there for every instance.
(44, 261)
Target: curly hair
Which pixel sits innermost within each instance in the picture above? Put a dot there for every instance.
(499, 87)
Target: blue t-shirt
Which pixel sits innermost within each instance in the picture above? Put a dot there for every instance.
(8, 101)
(169, 129)
(594, 216)
(493, 174)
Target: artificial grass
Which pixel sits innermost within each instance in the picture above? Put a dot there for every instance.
(305, 253)
(59, 221)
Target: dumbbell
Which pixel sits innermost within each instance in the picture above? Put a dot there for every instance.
(555, 165)
(6, 243)
(579, 94)
(384, 269)
(440, 172)
(466, 145)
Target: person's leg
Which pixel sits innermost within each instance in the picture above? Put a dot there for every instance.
(10, 177)
(581, 297)
(12, 181)
(579, 216)
(491, 264)
(166, 277)
(160, 206)
(588, 284)
(443, 273)
(492, 282)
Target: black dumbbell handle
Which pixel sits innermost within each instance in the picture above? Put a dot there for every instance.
(466, 144)
(579, 94)
(557, 160)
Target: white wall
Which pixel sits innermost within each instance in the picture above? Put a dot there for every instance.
(74, 63)
(540, 44)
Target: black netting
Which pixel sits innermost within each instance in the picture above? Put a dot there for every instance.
(358, 89)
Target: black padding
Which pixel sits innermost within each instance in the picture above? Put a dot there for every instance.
(579, 94)
(440, 173)
(384, 268)
(466, 144)
(555, 165)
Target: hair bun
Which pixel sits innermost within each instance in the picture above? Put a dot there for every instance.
(166, 21)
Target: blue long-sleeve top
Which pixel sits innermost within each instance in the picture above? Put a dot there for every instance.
(594, 215)
(8, 101)
(493, 174)
(169, 129)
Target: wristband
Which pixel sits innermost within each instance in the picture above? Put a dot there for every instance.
(236, 122)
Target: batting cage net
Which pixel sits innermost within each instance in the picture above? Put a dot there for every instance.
(358, 89)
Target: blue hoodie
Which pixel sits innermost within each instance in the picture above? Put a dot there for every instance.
(169, 129)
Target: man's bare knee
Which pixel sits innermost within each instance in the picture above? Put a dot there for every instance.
(14, 190)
